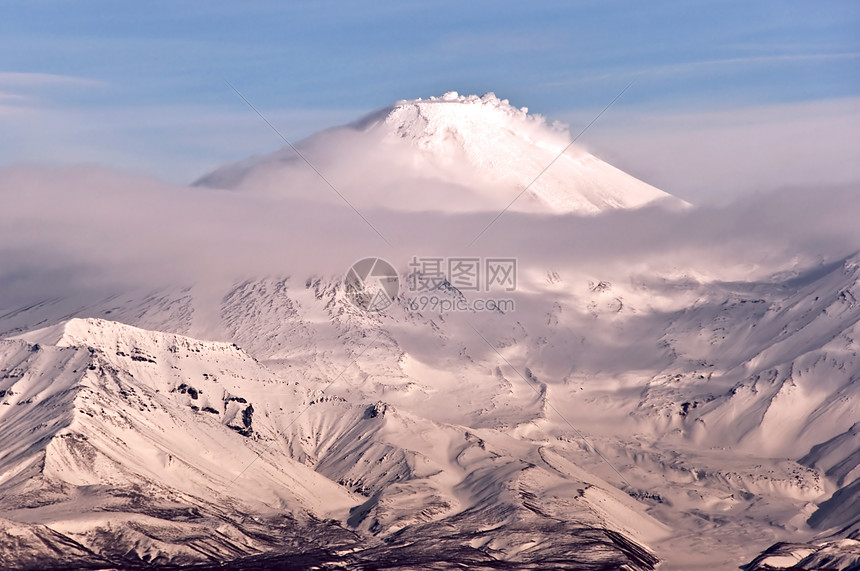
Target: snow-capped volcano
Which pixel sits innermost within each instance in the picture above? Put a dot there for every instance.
(453, 153)
(672, 387)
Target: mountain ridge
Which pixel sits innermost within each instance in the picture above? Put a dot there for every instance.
(148, 419)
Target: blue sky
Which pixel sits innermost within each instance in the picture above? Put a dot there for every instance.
(140, 86)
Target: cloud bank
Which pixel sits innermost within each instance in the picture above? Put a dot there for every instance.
(69, 229)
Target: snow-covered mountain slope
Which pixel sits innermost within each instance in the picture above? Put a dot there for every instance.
(451, 153)
(651, 370)
(843, 555)
(641, 403)
(839, 457)
(149, 427)
(141, 447)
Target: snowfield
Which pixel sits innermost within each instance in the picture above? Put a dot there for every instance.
(626, 416)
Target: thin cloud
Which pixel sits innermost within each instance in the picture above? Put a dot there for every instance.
(5, 96)
(32, 80)
(749, 61)
(709, 155)
(701, 66)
